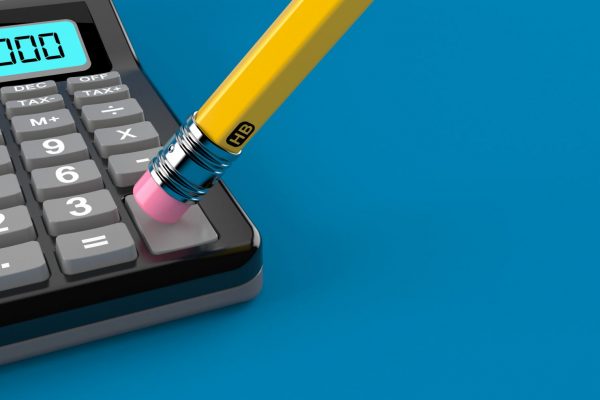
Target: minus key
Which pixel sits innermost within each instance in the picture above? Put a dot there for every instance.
(126, 169)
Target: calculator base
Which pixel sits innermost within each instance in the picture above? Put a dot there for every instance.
(131, 322)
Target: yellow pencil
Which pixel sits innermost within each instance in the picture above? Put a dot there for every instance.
(198, 154)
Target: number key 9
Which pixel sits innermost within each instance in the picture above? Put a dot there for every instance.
(55, 151)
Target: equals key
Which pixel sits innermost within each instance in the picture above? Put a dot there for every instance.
(95, 249)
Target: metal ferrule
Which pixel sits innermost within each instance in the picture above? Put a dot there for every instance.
(189, 164)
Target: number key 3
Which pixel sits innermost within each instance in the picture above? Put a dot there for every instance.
(82, 212)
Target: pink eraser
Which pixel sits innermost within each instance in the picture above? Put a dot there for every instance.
(156, 202)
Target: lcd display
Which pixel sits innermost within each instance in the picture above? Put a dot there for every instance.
(41, 49)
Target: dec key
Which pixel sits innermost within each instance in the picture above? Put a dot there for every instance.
(27, 91)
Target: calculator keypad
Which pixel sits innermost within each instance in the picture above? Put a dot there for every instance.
(78, 211)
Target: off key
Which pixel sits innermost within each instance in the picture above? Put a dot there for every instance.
(93, 81)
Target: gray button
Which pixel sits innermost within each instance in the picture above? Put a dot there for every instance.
(80, 212)
(42, 125)
(101, 95)
(115, 113)
(6, 166)
(192, 230)
(124, 139)
(93, 81)
(10, 191)
(126, 169)
(94, 249)
(54, 151)
(1, 138)
(15, 226)
(22, 265)
(66, 180)
(27, 91)
(34, 105)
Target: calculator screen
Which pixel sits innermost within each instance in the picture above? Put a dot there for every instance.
(41, 49)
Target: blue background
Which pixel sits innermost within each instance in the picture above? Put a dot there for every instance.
(448, 248)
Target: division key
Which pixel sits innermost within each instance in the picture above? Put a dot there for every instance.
(105, 115)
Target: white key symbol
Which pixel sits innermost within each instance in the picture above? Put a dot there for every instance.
(97, 241)
(3, 228)
(112, 109)
(126, 133)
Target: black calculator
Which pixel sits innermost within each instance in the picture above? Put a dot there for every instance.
(79, 261)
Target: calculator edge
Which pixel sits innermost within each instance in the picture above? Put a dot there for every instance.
(131, 322)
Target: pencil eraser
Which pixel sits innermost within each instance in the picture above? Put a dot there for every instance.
(157, 203)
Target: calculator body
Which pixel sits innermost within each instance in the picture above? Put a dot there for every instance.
(76, 304)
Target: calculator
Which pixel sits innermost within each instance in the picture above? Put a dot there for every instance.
(80, 122)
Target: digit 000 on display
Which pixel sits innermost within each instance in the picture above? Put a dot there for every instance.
(29, 44)
(41, 49)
